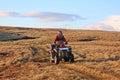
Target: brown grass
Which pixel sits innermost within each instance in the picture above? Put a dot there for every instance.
(97, 55)
(90, 72)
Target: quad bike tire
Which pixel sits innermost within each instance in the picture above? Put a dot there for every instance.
(71, 58)
(66, 59)
(51, 61)
(56, 59)
(65, 56)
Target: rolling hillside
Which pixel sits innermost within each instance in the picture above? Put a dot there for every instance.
(24, 55)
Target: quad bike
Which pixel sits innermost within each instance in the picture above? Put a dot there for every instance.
(60, 53)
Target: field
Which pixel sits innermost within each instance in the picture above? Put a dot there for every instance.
(24, 55)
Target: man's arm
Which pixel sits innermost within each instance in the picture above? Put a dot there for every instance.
(56, 38)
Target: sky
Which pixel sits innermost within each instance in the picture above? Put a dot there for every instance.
(72, 14)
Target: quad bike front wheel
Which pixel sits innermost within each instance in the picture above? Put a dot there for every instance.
(56, 59)
(51, 59)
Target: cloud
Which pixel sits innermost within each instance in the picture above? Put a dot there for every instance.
(43, 16)
(52, 16)
(112, 23)
(99, 26)
(8, 14)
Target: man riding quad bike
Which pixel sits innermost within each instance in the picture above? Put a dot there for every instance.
(59, 51)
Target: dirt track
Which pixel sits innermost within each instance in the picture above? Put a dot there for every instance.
(43, 71)
(49, 71)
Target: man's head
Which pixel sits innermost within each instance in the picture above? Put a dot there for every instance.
(60, 33)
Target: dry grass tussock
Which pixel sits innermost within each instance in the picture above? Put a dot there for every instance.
(97, 55)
